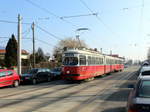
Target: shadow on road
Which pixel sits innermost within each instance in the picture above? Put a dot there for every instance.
(120, 95)
(119, 109)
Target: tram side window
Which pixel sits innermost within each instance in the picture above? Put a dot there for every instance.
(107, 61)
(82, 60)
(93, 61)
(99, 61)
(113, 61)
(89, 60)
(96, 61)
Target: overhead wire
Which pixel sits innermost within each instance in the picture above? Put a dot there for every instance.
(42, 29)
(49, 12)
(39, 41)
(4, 37)
(81, 15)
(13, 22)
(52, 35)
(98, 17)
(44, 42)
(27, 32)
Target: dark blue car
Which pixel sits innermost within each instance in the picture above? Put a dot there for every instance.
(56, 73)
(36, 75)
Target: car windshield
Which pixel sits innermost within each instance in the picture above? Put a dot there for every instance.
(70, 61)
(144, 90)
(146, 73)
(33, 71)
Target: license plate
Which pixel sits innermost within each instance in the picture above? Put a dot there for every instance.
(27, 78)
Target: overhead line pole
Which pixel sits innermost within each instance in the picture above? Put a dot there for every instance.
(19, 44)
(33, 26)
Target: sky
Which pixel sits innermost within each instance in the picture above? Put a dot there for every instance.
(122, 25)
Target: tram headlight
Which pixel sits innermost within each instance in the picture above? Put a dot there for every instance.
(68, 72)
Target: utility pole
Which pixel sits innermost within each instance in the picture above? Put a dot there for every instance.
(19, 44)
(33, 26)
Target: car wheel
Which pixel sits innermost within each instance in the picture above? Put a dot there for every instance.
(16, 83)
(34, 81)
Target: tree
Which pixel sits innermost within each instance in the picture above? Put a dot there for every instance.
(2, 63)
(148, 54)
(11, 52)
(39, 56)
(66, 43)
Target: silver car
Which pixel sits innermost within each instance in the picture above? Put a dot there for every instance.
(139, 97)
(145, 71)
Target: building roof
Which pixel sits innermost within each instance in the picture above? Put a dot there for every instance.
(3, 51)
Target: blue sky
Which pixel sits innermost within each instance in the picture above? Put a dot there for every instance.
(125, 30)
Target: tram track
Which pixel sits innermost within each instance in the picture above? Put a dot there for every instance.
(65, 96)
(90, 84)
(33, 89)
(89, 101)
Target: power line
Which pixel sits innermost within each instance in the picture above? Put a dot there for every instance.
(47, 11)
(4, 41)
(86, 6)
(5, 37)
(92, 14)
(13, 22)
(10, 37)
(27, 32)
(39, 41)
(44, 42)
(98, 17)
(52, 35)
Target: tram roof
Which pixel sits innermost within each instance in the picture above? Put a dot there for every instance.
(89, 52)
(83, 51)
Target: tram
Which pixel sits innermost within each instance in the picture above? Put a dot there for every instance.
(81, 64)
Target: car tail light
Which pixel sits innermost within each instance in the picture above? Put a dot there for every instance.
(132, 110)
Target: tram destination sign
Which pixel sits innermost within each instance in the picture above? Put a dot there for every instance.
(69, 54)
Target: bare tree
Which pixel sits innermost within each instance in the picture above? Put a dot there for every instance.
(148, 54)
(69, 43)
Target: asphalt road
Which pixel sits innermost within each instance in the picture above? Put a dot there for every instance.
(104, 94)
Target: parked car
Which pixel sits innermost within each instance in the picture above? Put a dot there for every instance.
(139, 97)
(9, 78)
(144, 71)
(56, 73)
(126, 66)
(36, 75)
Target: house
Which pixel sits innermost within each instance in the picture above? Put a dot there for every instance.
(25, 54)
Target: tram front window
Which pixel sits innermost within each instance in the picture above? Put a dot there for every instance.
(70, 61)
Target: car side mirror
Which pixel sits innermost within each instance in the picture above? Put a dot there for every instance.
(131, 86)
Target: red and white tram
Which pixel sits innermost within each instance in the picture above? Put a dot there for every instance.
(80, 64)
